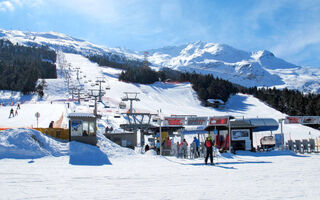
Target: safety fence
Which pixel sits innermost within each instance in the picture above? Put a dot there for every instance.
(304, 146)
(58, 133)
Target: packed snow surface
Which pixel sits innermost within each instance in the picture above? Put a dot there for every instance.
(61, 175)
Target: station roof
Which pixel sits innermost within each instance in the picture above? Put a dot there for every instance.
(81, 115)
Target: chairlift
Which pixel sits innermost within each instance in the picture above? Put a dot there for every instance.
(89, 80)
(86, 100)
(116, 116)
(108, 88)
(122, 105)
(97, 84)
(91, 105)
(92, 84)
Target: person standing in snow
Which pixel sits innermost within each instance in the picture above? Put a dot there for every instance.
(11, 113)
(158, 147)
(184, 145)
(209, 144)
(197, 143)
(16, 113)
(146, 148)
(18, 106)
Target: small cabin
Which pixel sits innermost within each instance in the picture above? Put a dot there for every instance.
(82, 128)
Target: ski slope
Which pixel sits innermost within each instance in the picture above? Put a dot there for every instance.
(171, 99)
(35, 166)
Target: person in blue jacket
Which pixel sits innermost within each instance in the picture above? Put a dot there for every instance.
(197, 143)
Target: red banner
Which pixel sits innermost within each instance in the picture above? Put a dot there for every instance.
(218, 121)
(293, 120)
(174, 121)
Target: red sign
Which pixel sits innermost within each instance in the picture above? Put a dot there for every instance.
(172, 121)
(292, 120)
(218, 121)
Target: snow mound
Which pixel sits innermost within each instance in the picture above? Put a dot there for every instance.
(27, 143)
(112, 149)
(84, 154)
(151, 152)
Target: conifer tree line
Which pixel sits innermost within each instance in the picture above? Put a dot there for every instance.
(291, 102)
(115, 61)
(21, 66)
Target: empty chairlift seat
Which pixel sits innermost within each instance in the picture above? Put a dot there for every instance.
(267, 142)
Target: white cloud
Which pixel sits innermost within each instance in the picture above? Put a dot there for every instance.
(10, 5)
(6, 6)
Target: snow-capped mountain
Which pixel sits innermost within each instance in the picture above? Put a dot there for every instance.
(259, 68)
(59, 41)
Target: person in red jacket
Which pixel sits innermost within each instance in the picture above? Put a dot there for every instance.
(209, 145)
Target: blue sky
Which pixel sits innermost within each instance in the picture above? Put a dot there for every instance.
(288, 28)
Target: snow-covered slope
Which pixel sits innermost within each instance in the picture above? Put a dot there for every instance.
(171, 99)
(259, 68)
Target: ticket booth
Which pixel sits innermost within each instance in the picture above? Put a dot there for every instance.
(82, 128)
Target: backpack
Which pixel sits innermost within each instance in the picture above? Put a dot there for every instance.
(208, 143)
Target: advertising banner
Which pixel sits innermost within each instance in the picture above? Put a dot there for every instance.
(279, 138)
(241, 134)
(292, 120)
(197, 121)
(174, 121)
(76, 128)
(302, 120)
(218, 121)
(310, 120)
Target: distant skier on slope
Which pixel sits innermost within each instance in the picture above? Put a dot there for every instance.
(11, 113)
(208, 144)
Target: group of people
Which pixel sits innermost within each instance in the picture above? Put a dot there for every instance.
(14, 113)
(181, 148)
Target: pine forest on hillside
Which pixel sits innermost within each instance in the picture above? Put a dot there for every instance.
(21, 66)
(291, 102)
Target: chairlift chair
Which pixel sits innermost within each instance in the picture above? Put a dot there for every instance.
(122, 105)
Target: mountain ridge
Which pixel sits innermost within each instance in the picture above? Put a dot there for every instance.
(260, 68)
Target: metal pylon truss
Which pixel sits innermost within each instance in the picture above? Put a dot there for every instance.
(137, 121)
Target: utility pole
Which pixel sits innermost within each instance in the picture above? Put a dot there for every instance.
(94, 93)
(78, 70)
(100, 80)
(160, 122)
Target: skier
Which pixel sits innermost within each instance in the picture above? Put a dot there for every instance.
(16, 113)
(146, 148)
(11, 113)
(18, 106)
(184, 146)
(208, 144)
(197, 143)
